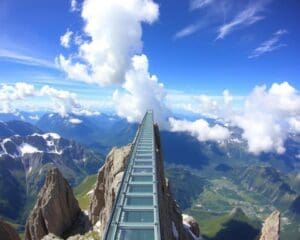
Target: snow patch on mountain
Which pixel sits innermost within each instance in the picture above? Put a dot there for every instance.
(47, 135)
(26, 148)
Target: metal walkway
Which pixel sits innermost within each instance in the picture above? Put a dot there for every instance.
(135, 215)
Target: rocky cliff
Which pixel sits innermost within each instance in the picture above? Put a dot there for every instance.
(101, 203)
(107, 185)
(108, 182)
(7, 232)
(56, 209)
(24, 163)
(173, 226)
(271, 227)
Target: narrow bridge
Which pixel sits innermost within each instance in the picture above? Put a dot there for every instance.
(135, 215)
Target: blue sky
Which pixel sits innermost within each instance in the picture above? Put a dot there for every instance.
(235, 61)
(195, 64)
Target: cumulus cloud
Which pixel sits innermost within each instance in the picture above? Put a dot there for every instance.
(294, 123)
(14, 92)
(267, 117)
(113, 30)
(247, 17)
(63, 102)
(66, 39)
(200, 129)
(141, 91)
(270, 45)
(210, 106)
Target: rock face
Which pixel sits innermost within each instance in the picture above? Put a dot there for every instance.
(56, 209)
(7, 232)
(271, 227)
(26, 159)
(108, 183)
(172, 224)
(191, 223)
(107, 186)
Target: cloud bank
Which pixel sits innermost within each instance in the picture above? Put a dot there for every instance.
(63, 102)
(267, 117)
(12, 93)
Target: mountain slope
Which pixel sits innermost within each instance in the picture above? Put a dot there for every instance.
(100, 132)
(16, 127)
(268, 182)
(25, 160)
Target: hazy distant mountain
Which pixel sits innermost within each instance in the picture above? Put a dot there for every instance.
(30, 117)
(181, 148)
(100, 132)
(16, 127)
(24, 161)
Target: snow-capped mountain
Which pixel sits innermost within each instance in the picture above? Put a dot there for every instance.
(25, 160)
(30, 117)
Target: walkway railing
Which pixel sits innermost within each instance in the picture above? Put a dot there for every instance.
(135, 215)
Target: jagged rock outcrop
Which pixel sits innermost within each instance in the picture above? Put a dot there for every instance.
(56, 209)
(107, 186)
(7, 232)
(192, 224)
(271, 227)
(108, 183)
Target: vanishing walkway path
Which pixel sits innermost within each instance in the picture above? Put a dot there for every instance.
(135, 215)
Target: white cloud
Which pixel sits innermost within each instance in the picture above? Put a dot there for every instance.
(247, 17)
(114, 31)
(227, 97)
(65, 102)
(75, 121)
(267, 117)
(294, 123)
(141, 91)
(200, 129)
(196, 4)
(187, 31)
(16, 92)
(66, 39)
(270, 45)
(74, 6)
(21, 58)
